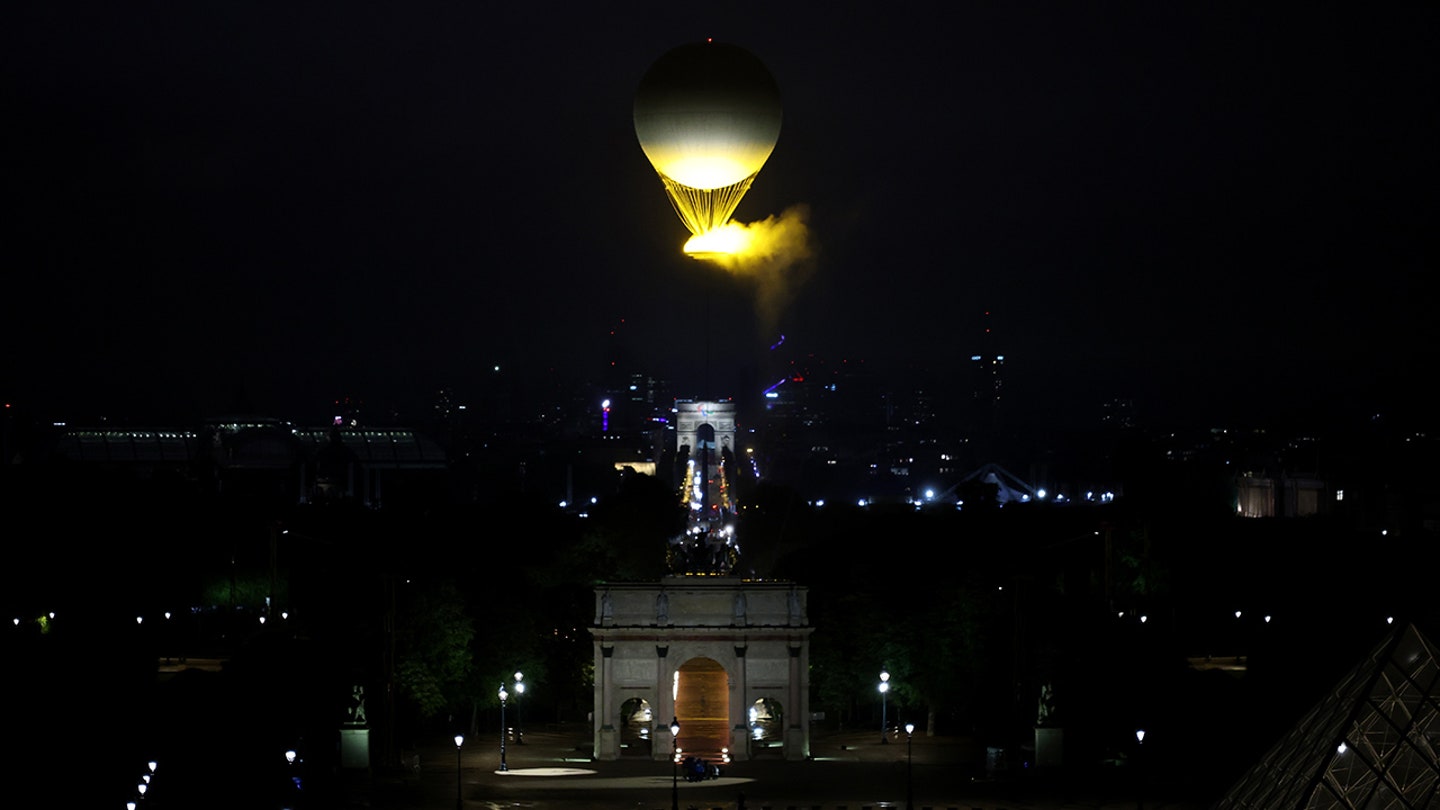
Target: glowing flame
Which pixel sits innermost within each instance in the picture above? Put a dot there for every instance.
(772, 247)
(728, 240)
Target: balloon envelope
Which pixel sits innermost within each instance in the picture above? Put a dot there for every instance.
(707, 115)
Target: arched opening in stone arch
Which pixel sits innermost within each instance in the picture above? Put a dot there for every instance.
(766, 721)
(636, 724)
(702, 705)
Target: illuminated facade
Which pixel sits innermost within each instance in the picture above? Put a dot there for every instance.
(728, 658)
(306, 464)
(707, 468)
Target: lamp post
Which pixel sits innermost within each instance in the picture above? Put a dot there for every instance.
(519, 715)
(909, 769)
(884, 688)
(503, 697)
(1139, 777)
(291, 757)
(459, 791)
(675, 764)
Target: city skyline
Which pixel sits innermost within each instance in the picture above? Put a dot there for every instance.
(1217, 213)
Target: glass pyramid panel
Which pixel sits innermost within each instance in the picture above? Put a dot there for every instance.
(1386, 712)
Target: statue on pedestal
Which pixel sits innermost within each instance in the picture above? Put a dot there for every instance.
(1045, 715)
(355, 712)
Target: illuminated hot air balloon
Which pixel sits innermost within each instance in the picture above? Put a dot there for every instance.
(707, 116)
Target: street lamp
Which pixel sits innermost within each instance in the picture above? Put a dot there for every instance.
(1139, 777)
(909, 769)
(459, 792)
(884, 687)
(675, 764)
(291, 771)
(519, 716)
(503, 696)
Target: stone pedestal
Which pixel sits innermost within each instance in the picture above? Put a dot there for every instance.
(355, 748)
(1049, 747)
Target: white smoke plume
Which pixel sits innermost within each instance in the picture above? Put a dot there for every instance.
(778, 258)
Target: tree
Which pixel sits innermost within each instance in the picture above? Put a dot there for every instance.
(433, 657)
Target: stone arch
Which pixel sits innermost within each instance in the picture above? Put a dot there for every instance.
(702, 705)
(763, 652)
(765, 723)
(637, 723)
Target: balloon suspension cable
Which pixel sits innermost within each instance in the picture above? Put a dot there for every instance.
(704, 210)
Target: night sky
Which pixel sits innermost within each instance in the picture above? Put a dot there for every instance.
(1223, 212)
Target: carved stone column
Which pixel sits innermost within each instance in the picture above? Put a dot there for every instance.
(740, 709)
(607, 737)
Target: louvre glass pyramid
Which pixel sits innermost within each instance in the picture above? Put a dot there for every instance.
(1373, 742)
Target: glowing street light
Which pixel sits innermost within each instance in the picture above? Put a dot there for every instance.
(675, 763)
(519, 717)
(292, 770)
(884, 688)
(1139, 777)
(503, 697)
(459, 791)
(909, 769)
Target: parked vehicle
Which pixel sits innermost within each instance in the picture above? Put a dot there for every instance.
(696, 769)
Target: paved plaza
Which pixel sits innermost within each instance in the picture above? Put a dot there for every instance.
(553, 771)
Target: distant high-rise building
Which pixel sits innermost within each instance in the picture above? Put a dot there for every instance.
(1118, 413)
(346, 411)
(617, 356)
(988, 381)
(444, 405)
(638, 400)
